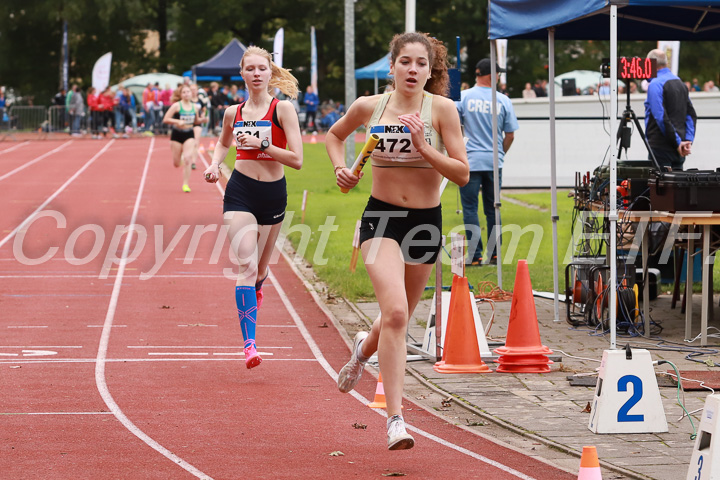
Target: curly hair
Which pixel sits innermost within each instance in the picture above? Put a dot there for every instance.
(439, 81)
(281, 78)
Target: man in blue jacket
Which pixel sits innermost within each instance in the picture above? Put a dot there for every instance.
(669, 116)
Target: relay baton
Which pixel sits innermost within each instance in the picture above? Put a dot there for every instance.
(362, 158)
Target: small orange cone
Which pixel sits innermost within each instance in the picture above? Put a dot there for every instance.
(461, 353)
(379, 401)
(313, 138)
(589, 465)
(523, 351)
(211, 146)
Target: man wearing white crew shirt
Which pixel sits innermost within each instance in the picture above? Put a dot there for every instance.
(475, 109)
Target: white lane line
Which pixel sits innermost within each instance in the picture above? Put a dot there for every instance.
(27, 326)
(170, 359)
(13, 148)
(31, 162)
(326, 366)
(199, 354)
(50, 275)
(55, 413)
(194, 346)
(41, 346)
(178, 353)
(100, 380)
(197, 325)
(57, 192)
(103, 326)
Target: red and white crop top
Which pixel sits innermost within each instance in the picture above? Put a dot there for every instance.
(267, 127)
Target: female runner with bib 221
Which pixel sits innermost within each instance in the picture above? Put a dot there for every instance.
(401, 228)
(267, 137)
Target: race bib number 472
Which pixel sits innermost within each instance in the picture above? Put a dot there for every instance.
(395, 143)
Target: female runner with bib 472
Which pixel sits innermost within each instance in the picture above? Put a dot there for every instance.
(267, 137)
(401, 228)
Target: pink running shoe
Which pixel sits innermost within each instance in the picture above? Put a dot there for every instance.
(252, 359)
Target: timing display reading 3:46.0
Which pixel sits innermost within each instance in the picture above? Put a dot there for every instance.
(637, 68)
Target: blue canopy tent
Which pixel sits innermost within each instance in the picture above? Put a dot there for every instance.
(592, 20)
(379, 69)
(211, 78)
(224, 64)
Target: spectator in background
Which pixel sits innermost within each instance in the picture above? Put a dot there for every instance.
(604, 88)
(108, 105)
(59, 104)
(633, 87)
(502, 88)
(96, 113)
(475, 109)
(243, 94)
(710, 86)
(233, 96)
(158, 108)
(217, 105)
(464, 86)
(118, 111)
(76, 108)
(539, 90)
(311, 101)
(3, 103)
(528, 92)
(670, 118)
(148, 103)
(166, 96)
(696, 86)
(128, 107)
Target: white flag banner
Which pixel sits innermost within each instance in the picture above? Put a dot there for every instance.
(278, 47)
(672, 50)
(101, 72)
(501, 45)
(313, 62)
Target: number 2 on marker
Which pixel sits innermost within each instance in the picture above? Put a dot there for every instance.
(623, 415)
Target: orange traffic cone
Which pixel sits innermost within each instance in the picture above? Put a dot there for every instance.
(211, 146)
(313, 138)
(461, 353)
(379, 401)
(523, 351)
(589, 465)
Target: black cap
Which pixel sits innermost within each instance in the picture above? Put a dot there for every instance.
(483, 67)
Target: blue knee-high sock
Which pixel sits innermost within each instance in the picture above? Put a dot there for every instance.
(247, 311)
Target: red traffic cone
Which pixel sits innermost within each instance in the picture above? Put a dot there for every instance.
(523, 351)
(461, 353)
(589, 465)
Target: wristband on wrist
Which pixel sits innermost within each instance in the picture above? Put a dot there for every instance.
(339, 167)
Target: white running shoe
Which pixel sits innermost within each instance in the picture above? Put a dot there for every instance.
(398, 438)
(352, 371)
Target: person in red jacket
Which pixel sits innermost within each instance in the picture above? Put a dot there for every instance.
(108, 102)
(93, 100)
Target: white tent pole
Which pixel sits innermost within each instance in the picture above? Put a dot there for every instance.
(350, 83)
(553, 174)
(376, 83)
(496, 166)
(409, 15)
(613, 177)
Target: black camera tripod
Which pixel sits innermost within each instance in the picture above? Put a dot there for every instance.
(624, 132)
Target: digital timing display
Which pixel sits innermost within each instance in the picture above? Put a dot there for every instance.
(637, 68)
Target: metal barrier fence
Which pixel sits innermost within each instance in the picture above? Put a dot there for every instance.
(58, 119)
(26, 118)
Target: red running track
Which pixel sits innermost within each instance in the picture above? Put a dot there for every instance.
(123, 358)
